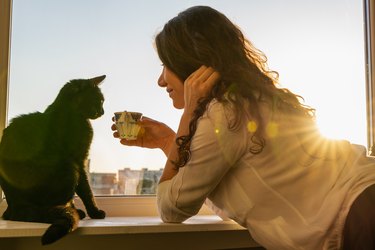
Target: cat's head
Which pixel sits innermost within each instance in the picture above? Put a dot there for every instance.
(82, 97)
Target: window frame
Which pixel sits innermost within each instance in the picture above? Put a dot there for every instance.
(146, 205)
(369, 30)
(5, 30)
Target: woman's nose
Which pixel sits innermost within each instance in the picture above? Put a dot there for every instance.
(161, 81)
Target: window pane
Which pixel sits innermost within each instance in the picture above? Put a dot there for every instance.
(316, 46)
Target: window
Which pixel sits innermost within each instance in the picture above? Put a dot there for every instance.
(316, 46)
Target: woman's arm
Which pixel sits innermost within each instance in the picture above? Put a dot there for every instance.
(215, 149)
(196, 86)
(170, 169)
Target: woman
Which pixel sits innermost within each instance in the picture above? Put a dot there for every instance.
(250, 148)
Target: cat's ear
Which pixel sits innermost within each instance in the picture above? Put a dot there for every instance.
(97, 80)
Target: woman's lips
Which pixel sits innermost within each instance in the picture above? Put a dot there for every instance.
(169, 91)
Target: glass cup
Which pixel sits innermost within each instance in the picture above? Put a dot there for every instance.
(127, 124)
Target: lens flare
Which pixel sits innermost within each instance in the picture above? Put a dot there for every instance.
(272, 129)
(252, 126)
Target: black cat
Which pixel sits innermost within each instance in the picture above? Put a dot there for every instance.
(43, 156)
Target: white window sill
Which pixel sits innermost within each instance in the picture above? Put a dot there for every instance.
(198, 232)
(203, 231)
(123, 225)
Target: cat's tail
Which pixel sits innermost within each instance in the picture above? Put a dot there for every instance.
(64, 220)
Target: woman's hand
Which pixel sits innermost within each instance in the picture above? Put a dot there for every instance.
(153, 134)
(197, 85)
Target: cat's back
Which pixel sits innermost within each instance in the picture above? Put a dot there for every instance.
(24, 137)
(26, 121)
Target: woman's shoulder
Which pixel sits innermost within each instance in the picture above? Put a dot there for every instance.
(218, 108)
(214, 105)
(223, 112)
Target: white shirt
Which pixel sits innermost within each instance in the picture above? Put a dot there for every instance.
(295, 194)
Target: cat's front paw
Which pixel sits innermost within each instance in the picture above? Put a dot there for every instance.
(7, 214)
(81, 214)
(97, 214)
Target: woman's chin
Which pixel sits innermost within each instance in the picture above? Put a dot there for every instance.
(178, 105)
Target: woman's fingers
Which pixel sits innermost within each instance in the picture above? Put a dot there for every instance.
(202, 77)
(113, 127)
(206, 74)
(116, 134)
(197, 85)
(197, 73)
(212, 79)
(201, 74)
(137, 142)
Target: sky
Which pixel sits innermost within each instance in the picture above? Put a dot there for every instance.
(316, 46)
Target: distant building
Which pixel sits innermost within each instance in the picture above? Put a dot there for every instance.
(135, 182)
(103, 183)
(150, 180)
(128, 180)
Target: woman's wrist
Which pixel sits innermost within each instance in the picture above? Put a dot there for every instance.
(168, 143)
(185, 120)
(170, 169)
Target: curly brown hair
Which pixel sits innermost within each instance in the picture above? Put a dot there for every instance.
(201, 35)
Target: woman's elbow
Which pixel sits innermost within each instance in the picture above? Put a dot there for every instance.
(173, 215)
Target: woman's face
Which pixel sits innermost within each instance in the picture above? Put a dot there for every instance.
(174, 87)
